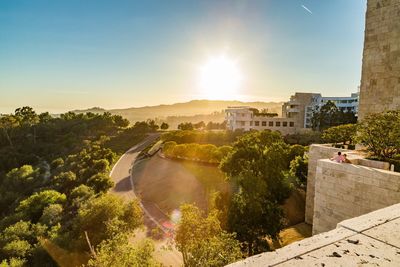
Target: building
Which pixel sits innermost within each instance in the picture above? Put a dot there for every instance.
(302, 106)
(296, 113)
(247, 118)
(380, 78)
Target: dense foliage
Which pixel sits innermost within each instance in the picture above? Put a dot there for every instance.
(258, 165)
(54, 173)
(207, 153)
(202, 241)
(202, 137)
(344, 134)
(380, 133)
(329, 115)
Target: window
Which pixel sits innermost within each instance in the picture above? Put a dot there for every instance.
(264, 123)
(271, 123)
(257, 123)
(284, 124)
(291, 124)
(251, 123)
(242, 123)
(278, 124)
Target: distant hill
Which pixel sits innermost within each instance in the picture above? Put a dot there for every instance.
(192, 111)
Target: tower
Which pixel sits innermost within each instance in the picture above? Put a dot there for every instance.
(380, 78)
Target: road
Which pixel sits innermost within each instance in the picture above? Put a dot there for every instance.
(121, 175)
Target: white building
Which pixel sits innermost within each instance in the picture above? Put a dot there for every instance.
(247, 118)
(302, 106)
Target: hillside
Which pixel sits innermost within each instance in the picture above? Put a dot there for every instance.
(193, 111)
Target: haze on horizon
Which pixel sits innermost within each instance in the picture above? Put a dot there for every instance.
(65, 55)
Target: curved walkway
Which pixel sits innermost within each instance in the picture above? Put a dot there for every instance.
(121, 175)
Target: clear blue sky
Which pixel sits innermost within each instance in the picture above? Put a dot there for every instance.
(62, 55)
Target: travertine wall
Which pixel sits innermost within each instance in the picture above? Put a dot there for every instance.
(344, 191)
(316, 153)
(380, 79)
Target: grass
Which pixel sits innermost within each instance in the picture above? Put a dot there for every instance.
(212, 178)
(291, 234)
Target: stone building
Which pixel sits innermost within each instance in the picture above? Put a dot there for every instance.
(380, 79)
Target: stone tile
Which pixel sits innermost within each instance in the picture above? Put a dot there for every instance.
(372, 219)
(367, 252)
(386, 232)
(296, 249)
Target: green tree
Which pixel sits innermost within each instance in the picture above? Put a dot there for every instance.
(117, 251)
(201, 240)
(299, 170)
(13, 262)
(185, 126)
(345, 134)
(164, 126)
(7, 124)
(329, 115)
(28, 117)
(101, 183)
(32, 207)
(380, 133)
(199, 125)
(257, 165)
(105, 216)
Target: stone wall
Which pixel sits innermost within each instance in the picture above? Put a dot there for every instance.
(380, 79)
(316, 153)
(344, 191)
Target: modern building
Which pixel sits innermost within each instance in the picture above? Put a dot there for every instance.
(247, 118)
(302, 106)
(296, 113)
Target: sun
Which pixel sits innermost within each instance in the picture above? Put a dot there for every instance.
(220, 78)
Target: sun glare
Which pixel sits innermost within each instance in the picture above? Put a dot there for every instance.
(220, 78)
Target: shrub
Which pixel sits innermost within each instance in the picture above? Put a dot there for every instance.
(345, 134)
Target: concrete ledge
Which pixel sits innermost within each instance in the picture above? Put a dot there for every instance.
(372, 240)
(372, 219)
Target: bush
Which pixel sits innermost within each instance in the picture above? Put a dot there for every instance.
(217, 138)
(198, 152)
(345, 134)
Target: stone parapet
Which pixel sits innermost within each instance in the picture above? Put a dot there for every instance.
(344, 191)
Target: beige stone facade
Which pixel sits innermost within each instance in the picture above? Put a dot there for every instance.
(380, 81)
(316, 153)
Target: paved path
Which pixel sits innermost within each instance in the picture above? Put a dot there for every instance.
(121, 175)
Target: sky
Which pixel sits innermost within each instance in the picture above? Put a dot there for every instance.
(63, 55)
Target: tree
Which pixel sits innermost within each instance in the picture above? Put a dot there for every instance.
(101, 183)
(299, 170)
(380, 133)
(201, 240)
(257, 165)
(345, 134)
(185, 126)
(199, 125)
(329, 115)
(28, 117)
(117, 251)
(32, 207)
(164, 126)
(7, 124)
(105, 216)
